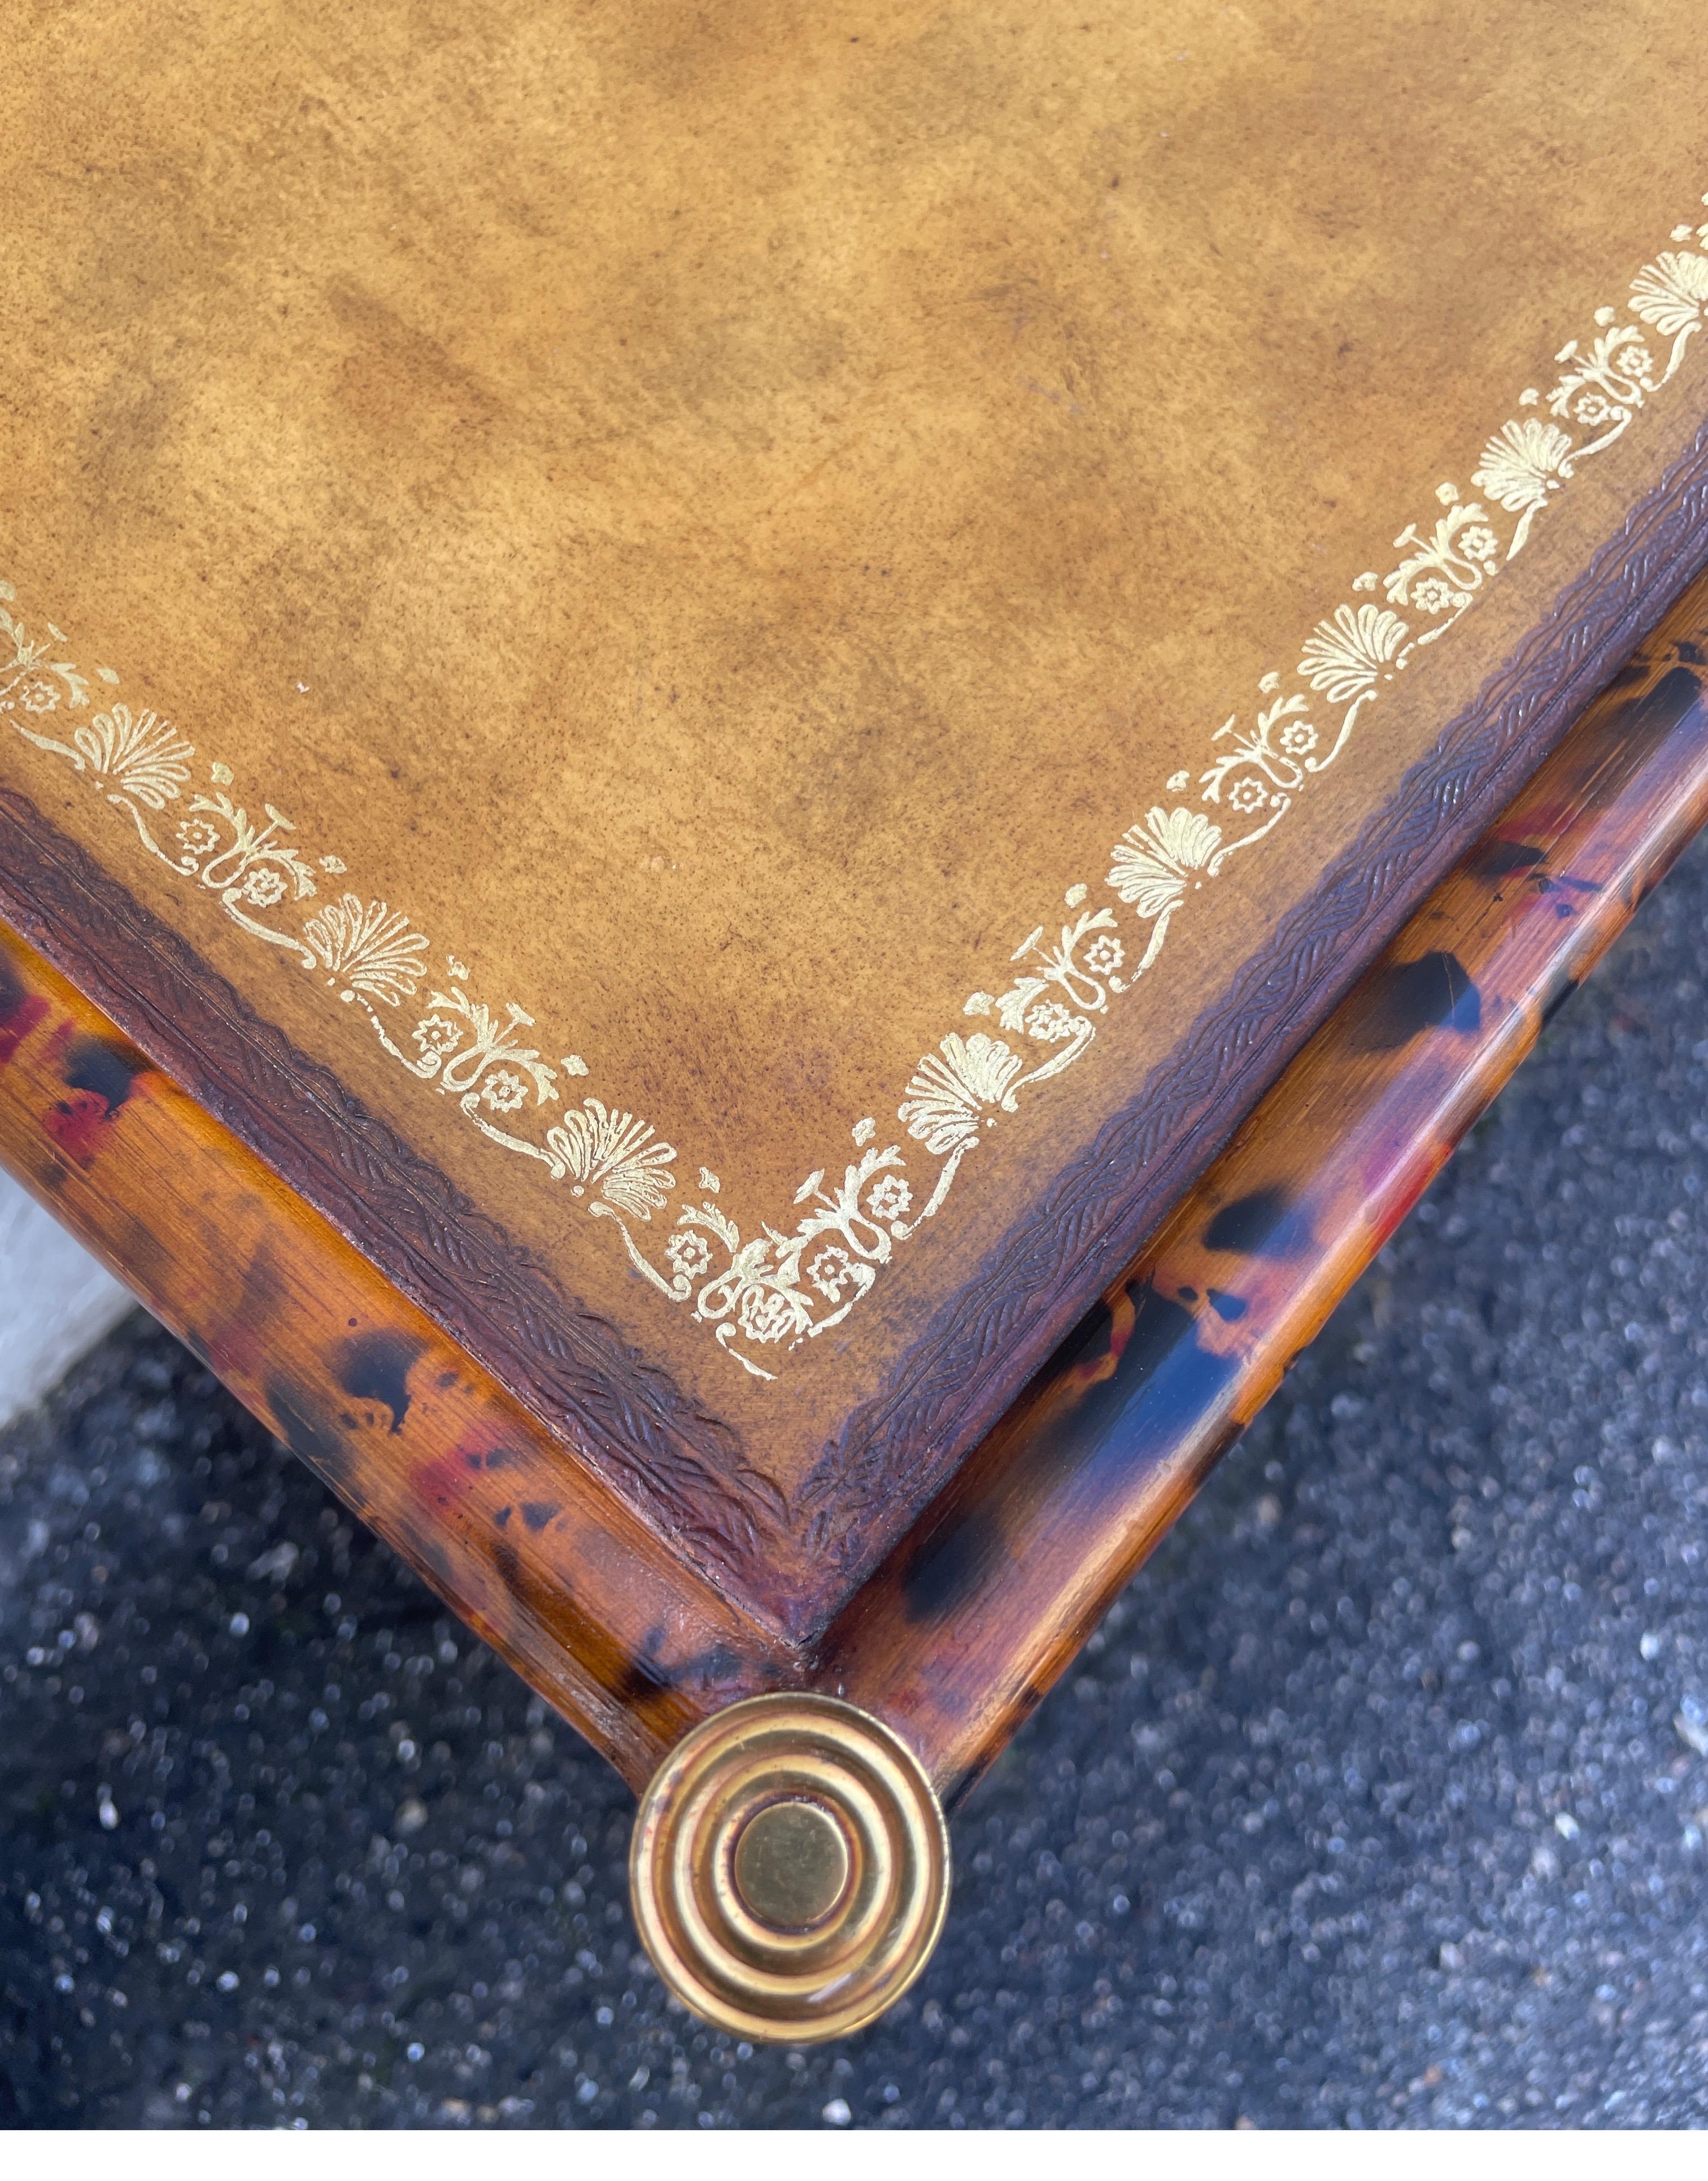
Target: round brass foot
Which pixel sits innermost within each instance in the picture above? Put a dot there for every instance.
(789, 1869)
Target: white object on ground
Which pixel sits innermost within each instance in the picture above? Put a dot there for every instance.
(55, 1301)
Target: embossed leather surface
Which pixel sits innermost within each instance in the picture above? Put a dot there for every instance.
(733, 678)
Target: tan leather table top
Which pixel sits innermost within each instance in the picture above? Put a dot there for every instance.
(713, 526)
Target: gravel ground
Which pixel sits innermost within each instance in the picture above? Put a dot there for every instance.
(1381, 1799)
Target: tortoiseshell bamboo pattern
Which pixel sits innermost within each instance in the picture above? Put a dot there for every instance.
(959, 1634)
(526, 1545)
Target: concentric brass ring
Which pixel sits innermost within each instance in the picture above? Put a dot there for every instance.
(789, 1869)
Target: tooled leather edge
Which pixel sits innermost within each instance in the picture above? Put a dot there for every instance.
(678, 1466)
(951, 1387)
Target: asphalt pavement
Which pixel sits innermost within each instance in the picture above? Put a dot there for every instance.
(1381, 1799)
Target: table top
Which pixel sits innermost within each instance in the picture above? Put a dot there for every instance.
(772, 667)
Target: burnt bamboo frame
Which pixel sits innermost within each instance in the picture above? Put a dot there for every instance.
(963, 1627)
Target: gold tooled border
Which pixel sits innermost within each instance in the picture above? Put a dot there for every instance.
(766, 1293)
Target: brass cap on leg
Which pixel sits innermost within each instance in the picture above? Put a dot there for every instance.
(789, 1869)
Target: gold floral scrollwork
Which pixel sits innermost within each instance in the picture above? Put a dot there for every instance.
(1671, 295)
(1442, 573)
(764, 1289)
(1521, 466)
